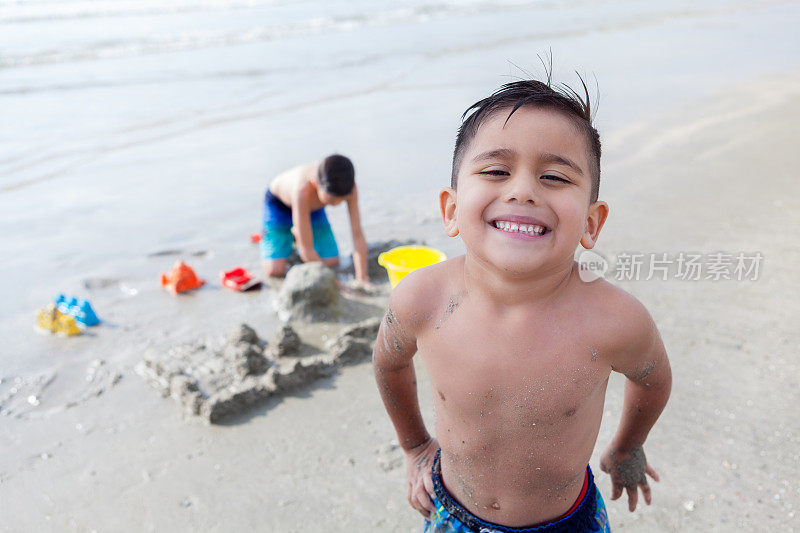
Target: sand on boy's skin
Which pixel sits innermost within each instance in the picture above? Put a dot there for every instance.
(722, 177)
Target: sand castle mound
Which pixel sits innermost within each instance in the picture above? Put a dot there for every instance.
(218, 380)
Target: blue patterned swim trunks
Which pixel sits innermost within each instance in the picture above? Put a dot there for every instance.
(588, 516)
(277, 240)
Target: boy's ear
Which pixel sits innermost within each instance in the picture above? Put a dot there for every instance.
(598, 212)
(447, 204)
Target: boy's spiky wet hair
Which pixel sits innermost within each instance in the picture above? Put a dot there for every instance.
(533, 93)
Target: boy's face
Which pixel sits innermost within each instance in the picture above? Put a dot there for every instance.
(523, 198)
(329, 199)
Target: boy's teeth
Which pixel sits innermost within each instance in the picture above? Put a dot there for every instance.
(520, 228)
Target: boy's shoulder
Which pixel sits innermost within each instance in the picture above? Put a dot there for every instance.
(603, 295)
(624, 320)
(422, 292)
(297, 175)
(295, 183)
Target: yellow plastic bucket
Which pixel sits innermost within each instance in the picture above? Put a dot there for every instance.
(399, 261)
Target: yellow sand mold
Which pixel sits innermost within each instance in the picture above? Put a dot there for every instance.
(51, 319)
(399, 261)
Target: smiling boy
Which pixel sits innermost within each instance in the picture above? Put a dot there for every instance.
(518, 348)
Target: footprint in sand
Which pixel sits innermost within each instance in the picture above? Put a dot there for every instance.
(94, 284)
(390, 456)
(171, 252)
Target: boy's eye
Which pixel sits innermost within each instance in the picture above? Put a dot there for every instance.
(495, 172)
(555, 178)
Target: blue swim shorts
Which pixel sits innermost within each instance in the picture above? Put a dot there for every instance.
(589, 515)
(277, 239)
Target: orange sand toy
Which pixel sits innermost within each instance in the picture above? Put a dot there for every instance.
(181, 278)
(51, 319)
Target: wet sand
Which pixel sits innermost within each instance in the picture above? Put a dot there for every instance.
(716, 175)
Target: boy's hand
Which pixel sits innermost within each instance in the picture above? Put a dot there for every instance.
(365, 286)
(356, 286)
(419, 462)
(627, 468)
(306, 251)
(308, 255)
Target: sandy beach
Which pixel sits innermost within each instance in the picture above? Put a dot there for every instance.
(726, 447)
(690, 167)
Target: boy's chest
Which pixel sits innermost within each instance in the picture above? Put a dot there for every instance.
(541, 366)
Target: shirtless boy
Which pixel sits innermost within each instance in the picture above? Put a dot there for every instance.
(518, 348)
(294, 211)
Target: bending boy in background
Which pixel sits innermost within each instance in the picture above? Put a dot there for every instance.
(518, 348)
(294, 212)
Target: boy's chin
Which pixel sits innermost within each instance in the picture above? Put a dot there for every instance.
(521, 265)
(517, 269)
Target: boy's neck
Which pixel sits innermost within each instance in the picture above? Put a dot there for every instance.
(315, 186)
(508, 290)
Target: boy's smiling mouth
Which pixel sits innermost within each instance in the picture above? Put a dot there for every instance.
(520, 226)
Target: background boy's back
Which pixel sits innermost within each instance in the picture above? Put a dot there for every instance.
(286, 183)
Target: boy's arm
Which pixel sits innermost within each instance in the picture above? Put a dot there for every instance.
(394, 372)
(359, 243)
(643, 360)
(301, 220)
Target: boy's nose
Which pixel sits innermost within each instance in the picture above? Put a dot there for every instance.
(522, 190)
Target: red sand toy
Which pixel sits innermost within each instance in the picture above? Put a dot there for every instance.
(255, 238)
(239, 279)
(181, 278)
